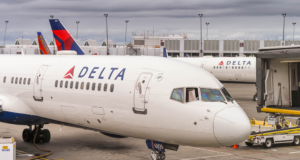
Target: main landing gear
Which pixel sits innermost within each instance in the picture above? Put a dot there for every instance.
(42, 135)
(255, 97)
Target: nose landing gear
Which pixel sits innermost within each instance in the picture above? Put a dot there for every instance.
(42, 135)
(158, 155)
(158, 149)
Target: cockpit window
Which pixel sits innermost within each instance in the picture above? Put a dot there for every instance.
(227, 95)
(177, 94)
(211, 95)
(192, 94)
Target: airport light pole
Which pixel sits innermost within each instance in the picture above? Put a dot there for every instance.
(200, 15)
(5, 33)
(294, 23)
(77, 29)
(207, 23)
(53, 38)
(125, 36)
(283, 28)
(106, 35)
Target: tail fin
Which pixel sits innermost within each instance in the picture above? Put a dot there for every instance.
(165, 53)
(44, 49)
(63, 38)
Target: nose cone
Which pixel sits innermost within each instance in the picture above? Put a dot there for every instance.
(231, 126)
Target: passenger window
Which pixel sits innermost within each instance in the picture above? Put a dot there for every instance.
(217, 67)
(24, 81)
(211, 95)
(239, 67)
(82, 85)
(61, 83)
(242, 67)
(93, 86)
(16, 80)
(232, 67)
(177, 94)
(66, 84)
(226, 67)
(71, 84)
(105, 87)
(214, 67)
(29, 81)
(192, 94)
(76, 85)
(4, 79)
(20, 81)
(235, 67)
(56, 83)
(112, 86)
(99, 86)
(12, 80)
(88, 86)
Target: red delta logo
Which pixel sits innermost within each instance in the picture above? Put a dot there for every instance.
(69, 74)
(221, 63)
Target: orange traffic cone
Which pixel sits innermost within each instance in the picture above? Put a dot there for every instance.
(235, 146)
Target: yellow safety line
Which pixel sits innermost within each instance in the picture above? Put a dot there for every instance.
(286, 111)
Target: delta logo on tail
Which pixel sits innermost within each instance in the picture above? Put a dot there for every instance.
(44, 49)
(70, 73)
(63, 39)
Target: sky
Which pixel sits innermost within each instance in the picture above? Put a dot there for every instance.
(228, 19)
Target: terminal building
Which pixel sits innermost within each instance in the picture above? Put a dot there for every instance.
(177, 46)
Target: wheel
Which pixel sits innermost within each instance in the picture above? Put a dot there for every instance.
(163, 156)
(296, 141)
(249, 144)
(255, 97)
(46, 136)
(26, 135)
(153, 155)
(268, 143)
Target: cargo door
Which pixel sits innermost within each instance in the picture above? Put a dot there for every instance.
(37, 85)
(141, 91)
(70, 113)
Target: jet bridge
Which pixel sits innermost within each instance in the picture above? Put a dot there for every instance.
(278, 80)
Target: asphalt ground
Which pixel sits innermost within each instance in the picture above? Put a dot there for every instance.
(78, 144)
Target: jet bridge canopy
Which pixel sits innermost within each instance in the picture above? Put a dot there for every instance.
(278, 80)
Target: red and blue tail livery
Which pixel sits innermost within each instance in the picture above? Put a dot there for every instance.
(63, 39)
(44, 49)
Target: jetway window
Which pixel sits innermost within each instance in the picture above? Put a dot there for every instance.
(112, 86)
(71, 84)
(105, 87)
(192, 94)
(12, 80)
(227, 95)
(56, 83)
(211, 95)
(76, 85)
(61, 84)
(93, 86)
(88, 86)
(28, 81)
(20, 81)
(82, 85)
(16, 80)
(66, 84)
(24, 81)
(99, 86)
(4, 79)
(177, 94)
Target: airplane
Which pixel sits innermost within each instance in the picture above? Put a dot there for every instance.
(227, 69)
(44, 49)
(168, 104)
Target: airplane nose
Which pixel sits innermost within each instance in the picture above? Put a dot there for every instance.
(231, 126)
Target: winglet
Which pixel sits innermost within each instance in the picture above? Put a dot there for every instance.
(165, 53)
(63, 38)
(44, 49)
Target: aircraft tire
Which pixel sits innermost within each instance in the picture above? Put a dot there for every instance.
(46, 136)
(26, 135)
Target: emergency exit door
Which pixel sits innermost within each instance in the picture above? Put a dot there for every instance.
(37, 85)
(141, 91)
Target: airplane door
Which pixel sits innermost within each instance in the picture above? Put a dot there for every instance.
(37, 85)
(141, 91)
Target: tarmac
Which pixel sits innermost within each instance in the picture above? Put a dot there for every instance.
(78, 144)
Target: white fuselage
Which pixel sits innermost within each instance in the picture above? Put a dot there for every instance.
(227, 69)
(133, 100)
